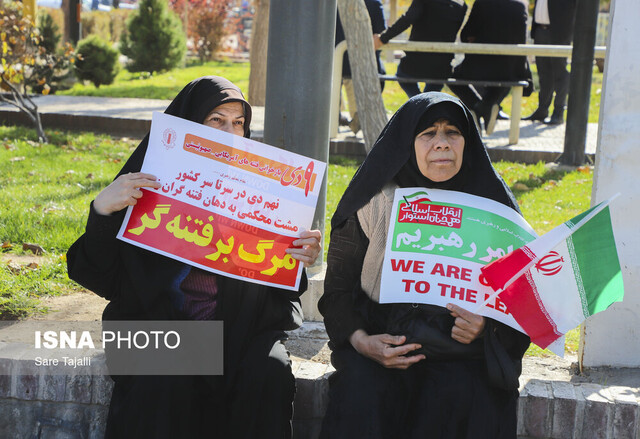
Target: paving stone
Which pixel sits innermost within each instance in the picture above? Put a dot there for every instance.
(522, 402)
(102, 387)
(312, 390)
(27, 383)
(309, 299)
(538, 416)
(78, 388)
(564, 410)
(54, 387)
(597, 415)
(98, 422)
(626, 418)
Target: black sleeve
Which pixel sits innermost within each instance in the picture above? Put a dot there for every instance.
(410, 17)
(376, 14)
(342, 282)
(504, 348)
(92, 260)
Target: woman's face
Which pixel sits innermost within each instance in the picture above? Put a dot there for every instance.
(439, 151)
(227, 117)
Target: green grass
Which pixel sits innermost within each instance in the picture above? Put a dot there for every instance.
(163, 85)
(46, 191)
(167, 85)
(22, 287)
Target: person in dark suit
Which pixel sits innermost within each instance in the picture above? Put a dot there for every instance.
(553, 22)
(378, 24)
(430, 20)
(492, 22)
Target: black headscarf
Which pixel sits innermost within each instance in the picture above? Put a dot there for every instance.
(194, 102)
(393, 157)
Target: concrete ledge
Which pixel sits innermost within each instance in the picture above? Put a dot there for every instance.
(115, 126)
(41, 402)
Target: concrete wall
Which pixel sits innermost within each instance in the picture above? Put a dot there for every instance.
(613, 337)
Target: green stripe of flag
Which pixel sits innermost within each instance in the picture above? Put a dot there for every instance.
(597, 263)
(576, 219)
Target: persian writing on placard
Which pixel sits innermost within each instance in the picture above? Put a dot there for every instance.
(436, 244)
(226, 204)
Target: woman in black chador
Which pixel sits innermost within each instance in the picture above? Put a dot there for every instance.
(405, 371)
(254, 396)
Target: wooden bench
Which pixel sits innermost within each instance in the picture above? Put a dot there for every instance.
(516, 94)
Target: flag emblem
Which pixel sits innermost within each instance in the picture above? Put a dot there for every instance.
(551, 264)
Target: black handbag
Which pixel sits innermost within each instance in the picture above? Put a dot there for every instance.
(430, 326)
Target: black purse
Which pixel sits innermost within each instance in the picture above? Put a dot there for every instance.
(430, 326)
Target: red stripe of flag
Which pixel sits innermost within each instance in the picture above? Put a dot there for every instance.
(522, 300)
(499, 272)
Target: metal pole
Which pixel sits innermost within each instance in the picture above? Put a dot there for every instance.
(75, 22)
(584, 37)
(298, 95)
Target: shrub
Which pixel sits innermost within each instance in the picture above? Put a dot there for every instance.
(97, 61)
(154, 40)
(49, 31)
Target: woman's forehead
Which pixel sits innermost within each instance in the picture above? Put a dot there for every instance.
(234, 108)
(442, 121)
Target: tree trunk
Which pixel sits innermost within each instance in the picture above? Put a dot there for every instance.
(258, 55)
(18, 97)
(364, 70)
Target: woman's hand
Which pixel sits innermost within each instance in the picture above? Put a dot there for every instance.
(388, 350)
(377, 42)
(468, 326)
(307, 247)
(123, 191)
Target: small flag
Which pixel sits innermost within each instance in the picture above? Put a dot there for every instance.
(555, 282)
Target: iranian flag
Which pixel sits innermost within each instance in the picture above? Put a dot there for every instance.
(555, 282)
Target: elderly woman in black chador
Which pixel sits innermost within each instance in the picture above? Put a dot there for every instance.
(254, 396)
(458, 377)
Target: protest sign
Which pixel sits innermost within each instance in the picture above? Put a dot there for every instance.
(227, 204)
(436, 244)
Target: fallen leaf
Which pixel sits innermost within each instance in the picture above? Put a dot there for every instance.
(521, 187)
(16, 159)
(89, 176)
(32, 265)
(35, 248)
(13, 267)
(7, 244)
(584, 169)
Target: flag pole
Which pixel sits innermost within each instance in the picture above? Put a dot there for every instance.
(487, 300)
